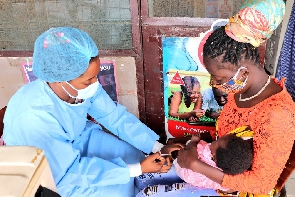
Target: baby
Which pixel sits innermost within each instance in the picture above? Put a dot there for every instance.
(229, 153)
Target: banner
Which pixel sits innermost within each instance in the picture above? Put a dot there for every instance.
(185, 79)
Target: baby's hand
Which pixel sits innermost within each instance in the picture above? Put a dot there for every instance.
(169, 148)
(180, 140)
(196, 138)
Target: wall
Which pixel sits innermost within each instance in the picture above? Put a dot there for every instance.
(11, 80)
(289, 5)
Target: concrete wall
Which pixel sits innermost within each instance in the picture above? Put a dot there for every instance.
(11, 80)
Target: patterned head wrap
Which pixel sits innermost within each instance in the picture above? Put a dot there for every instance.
(256, 21)
(62, 54)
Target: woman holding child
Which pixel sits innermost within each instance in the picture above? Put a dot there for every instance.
(257, 103)
(254, 100)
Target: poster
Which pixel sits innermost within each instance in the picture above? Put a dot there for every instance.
(185, 79)
(106, 77)
(27, 71)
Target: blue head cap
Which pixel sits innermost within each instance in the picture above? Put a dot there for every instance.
(62, 54)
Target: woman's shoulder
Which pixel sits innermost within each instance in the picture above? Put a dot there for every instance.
(280, 100)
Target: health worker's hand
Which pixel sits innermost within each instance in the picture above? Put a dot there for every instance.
(155, 163)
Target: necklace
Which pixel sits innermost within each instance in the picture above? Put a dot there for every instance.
(255, 95)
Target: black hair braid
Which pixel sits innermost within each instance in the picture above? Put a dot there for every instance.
(186, 98)
(219, 43)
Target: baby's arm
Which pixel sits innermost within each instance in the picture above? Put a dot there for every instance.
(183, 140)
(180, 140)
(196, 138)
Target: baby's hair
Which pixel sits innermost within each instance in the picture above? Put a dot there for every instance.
(236, 157)
(219, 43)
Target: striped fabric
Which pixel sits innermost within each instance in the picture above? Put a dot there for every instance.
(286, 63)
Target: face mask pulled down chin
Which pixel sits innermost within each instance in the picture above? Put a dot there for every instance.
(234, 85)
(85, 93)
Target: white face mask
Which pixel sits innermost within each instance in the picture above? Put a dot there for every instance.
(85, 93)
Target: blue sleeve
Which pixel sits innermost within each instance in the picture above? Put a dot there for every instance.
(206, 99)
(126, 126)
(45, 132)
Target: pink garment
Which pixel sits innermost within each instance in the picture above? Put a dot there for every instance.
(195, 178)
(1, 141)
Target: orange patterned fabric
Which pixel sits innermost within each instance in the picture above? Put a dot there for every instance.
(273, 123)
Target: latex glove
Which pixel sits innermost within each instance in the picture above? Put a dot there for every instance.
(155, 163)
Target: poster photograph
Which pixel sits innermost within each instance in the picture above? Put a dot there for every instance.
(185, 80)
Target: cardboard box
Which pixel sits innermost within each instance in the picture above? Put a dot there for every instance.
(22, 170)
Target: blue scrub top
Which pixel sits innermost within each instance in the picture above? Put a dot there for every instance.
(80, 154)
